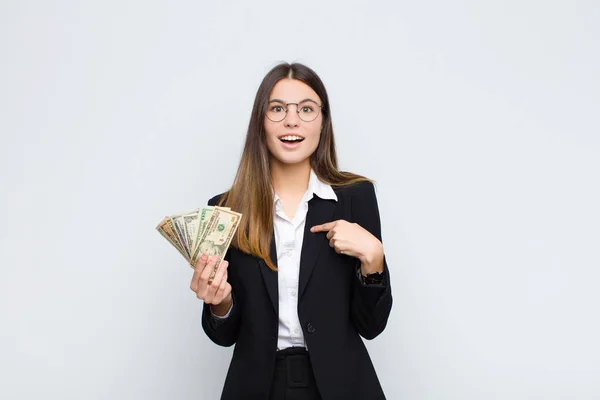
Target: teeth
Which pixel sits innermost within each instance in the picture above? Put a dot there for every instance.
(291, 137)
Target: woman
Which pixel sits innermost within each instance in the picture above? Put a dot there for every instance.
(294, 307)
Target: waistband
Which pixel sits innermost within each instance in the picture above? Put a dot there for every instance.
(291, 351)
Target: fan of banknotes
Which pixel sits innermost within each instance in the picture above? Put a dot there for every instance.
(203, 230)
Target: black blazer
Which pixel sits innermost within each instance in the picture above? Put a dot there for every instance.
(334, 308)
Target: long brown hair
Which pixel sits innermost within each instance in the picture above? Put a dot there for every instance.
(251, 193)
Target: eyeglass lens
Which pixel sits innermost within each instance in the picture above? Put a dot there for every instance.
(307, 111)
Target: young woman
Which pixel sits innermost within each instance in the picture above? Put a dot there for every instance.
(305, 276)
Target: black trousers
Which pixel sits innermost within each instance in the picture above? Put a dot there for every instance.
(294, 379)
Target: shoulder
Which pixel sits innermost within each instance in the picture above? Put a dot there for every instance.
(358, 189)
(360, 205)
(215, 199)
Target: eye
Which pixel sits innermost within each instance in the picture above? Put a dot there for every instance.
(277, 109)
(307, 109)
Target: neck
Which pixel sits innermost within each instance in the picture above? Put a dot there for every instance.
(290, 179)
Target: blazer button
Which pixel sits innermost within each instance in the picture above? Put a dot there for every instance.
(310, 328)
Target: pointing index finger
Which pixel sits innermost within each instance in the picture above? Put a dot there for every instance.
(323, 228)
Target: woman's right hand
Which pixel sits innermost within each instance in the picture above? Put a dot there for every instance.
(218, 292)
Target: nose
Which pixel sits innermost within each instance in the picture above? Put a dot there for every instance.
(291, 119)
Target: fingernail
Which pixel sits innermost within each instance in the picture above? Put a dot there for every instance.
(204, 256)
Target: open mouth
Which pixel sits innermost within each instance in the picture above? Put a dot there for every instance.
(291, 139)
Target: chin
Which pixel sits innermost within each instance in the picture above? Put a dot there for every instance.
(291, 160)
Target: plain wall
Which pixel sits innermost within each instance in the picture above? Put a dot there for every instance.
(478, 120)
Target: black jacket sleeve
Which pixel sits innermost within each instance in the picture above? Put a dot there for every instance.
(223, 331)
(371, 304)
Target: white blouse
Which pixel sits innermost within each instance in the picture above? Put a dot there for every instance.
(289, 235)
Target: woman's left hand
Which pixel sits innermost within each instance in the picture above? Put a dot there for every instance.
(353, 240)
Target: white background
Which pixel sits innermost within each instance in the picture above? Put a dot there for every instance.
(478, 120)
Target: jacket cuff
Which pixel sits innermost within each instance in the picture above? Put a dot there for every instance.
(217, 319)
(372, 293)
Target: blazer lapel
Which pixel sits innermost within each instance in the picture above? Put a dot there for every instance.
(270, 276)
(320, 211)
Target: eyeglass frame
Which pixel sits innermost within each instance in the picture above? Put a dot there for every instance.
(297, 109)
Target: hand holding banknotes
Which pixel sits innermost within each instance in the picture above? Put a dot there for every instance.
(207, 230)
(216, 292)
(202, 236)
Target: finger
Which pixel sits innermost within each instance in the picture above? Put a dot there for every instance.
(332, 242)
(219, 294)
(349, 253)
(342, 248)
(219, 280)
(223, 294)
(217, 267)
(197, 271)
(208, 269)
(216, 274)
(219, 276)
(330, 234)
(202, 260)
(323, 227)
(227, 290)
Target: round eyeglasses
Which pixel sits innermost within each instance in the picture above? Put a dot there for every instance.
(308, 110)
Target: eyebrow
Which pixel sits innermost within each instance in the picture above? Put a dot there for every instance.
(283, 102)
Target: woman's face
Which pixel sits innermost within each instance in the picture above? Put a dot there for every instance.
(293, 126)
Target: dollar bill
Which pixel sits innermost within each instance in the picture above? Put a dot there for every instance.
(178, 224)
(186, 226)
(183, 230)
(217, 236)
(166, 229)
(203, 218)
(190, 227)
